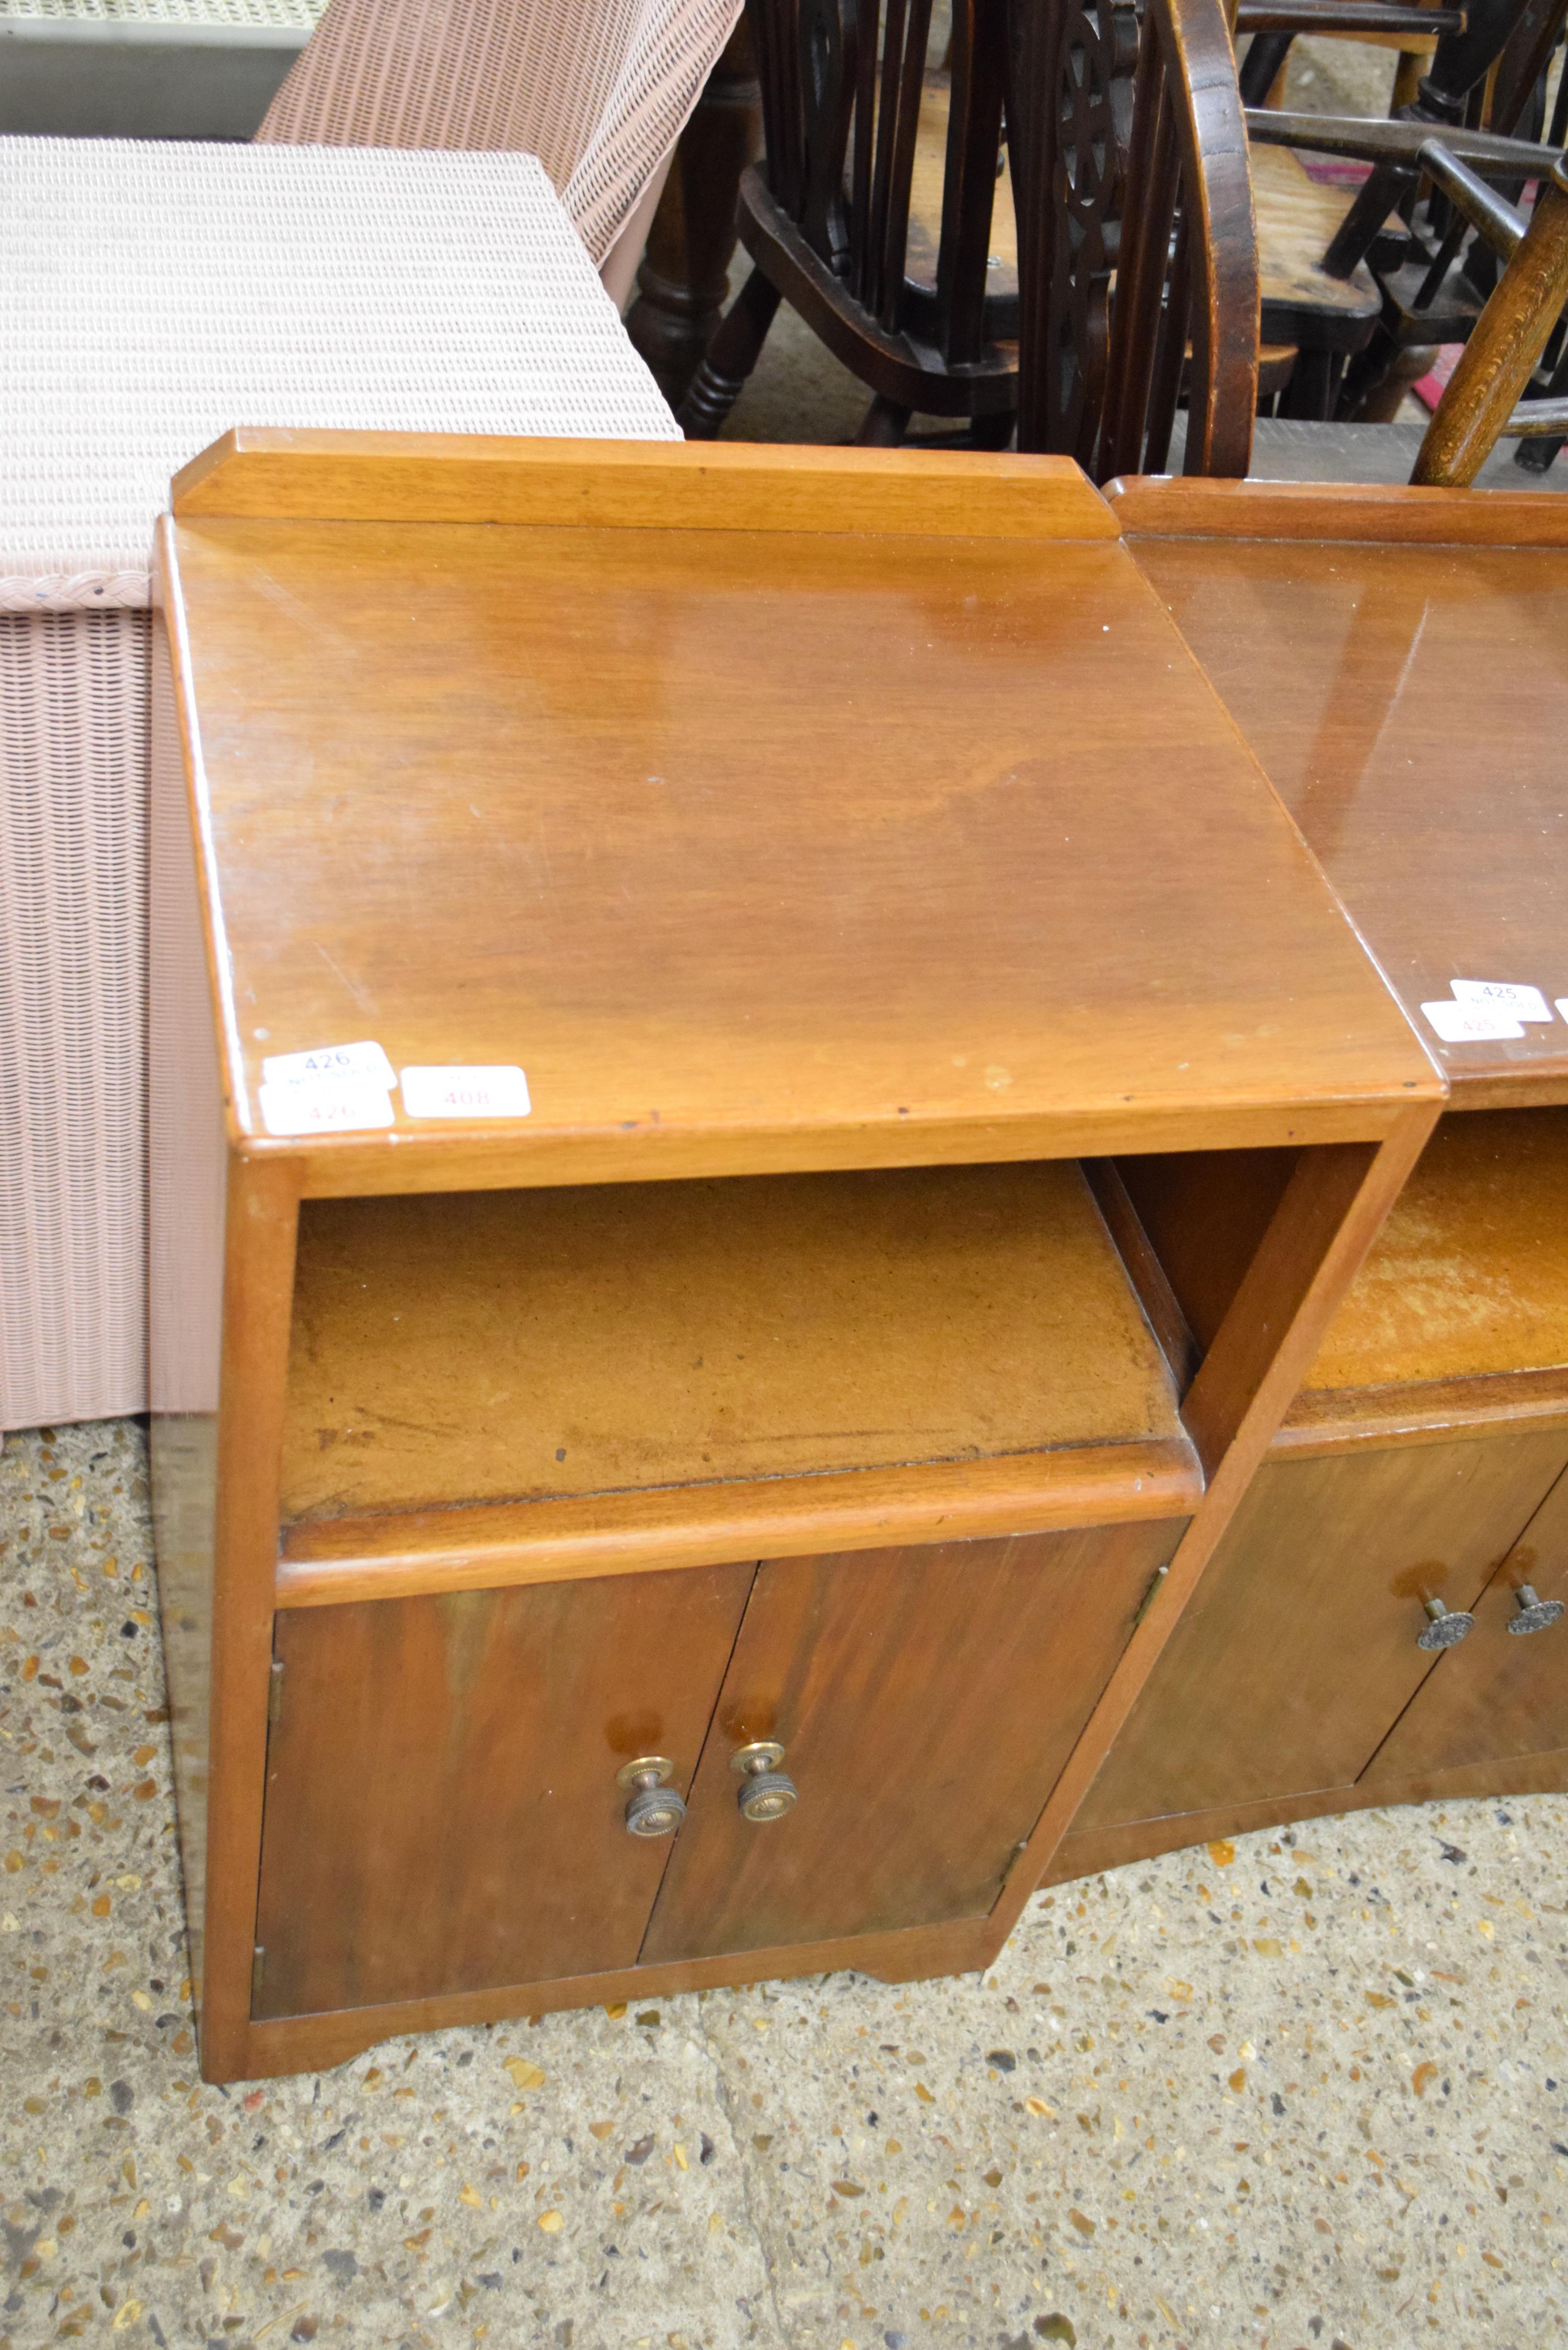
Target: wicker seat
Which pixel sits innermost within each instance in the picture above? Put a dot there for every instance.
(154, 296)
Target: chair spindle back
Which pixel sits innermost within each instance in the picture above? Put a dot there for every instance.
(842, 84)
(1137, 166)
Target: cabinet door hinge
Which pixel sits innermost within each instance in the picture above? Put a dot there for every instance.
(258, 1968)
(1144, 1605)
(275, 1692)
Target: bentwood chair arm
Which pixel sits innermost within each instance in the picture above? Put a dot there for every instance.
(1397, 142)
(1345, 17)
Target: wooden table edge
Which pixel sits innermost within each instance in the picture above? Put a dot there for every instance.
(255, 473)
(1172, 505)
(396, 1160)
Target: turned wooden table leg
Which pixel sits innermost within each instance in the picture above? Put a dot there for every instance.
(684, 275)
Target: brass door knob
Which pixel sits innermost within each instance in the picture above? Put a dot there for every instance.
(654, 1809)
(1534, 1615)
(1448, 1627)
(765, 1792)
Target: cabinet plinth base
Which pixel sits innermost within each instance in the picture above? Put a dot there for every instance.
(1098, 1849)
(299, 2043)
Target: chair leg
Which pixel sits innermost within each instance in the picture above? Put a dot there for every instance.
(1315, 381)
(884, 424)
(993, 432)
(1366, 374)
(1380, 403)
(731, 355)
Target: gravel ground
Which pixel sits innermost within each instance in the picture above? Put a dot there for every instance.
(1309, 2091)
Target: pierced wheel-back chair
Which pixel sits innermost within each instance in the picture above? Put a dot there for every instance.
(1522, 317)
(880, 213)
(1138, 262)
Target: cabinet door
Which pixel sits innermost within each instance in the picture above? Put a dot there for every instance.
(1299, 1650)
(926, 1698)
(1498, 1693)
(441, 1807)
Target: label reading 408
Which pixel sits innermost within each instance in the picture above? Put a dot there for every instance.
(465, 1090)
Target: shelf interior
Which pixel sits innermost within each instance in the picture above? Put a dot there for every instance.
(1469, 1274)
(526, 1346)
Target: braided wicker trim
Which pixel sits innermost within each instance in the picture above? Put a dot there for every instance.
(76, 591)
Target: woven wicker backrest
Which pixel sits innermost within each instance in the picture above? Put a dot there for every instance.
(598, 89)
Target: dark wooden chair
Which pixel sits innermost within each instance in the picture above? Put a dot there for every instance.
(1328, 319)
(1139, 261)
(880, 213)
(1432, 275)
(1129, 154)
(1462, 215)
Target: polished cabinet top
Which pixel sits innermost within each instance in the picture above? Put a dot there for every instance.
(1399, 664)
(896, 824)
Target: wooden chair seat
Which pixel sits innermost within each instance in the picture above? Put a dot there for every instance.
(1297, 217)
(1447, 319)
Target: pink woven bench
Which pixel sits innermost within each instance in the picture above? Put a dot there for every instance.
(154, 296)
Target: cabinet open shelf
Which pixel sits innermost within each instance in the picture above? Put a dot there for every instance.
(1466, 1290)
(676, 1362)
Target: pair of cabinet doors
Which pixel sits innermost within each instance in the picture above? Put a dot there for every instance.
(442, 1811)
(1305, 1629)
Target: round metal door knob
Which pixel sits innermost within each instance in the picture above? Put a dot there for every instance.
(765, 1792)
(654, 1809)
(1448, 1627)
(1534, 1615)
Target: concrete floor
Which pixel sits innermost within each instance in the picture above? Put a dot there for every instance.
(1308, 2092)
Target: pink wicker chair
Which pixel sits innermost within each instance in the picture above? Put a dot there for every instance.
(598, 92)
(155, 295)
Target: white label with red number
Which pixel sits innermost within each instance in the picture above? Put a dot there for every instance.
(324, 1104)
(1470, 1024)
(363, 1060)
(466, 1091)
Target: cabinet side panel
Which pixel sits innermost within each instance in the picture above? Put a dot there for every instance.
(185, 1278)
(1205, 1213)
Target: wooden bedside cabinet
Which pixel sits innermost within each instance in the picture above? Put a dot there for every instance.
(663, 1474)
(1395, 657)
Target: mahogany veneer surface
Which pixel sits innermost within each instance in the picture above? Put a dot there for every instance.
(547, 793)
(1409, 703)
(908, 837)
